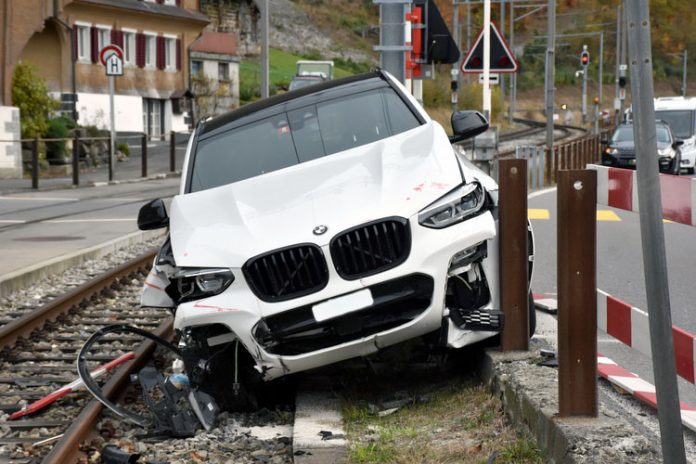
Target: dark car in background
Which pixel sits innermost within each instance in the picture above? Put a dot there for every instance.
(620, 151)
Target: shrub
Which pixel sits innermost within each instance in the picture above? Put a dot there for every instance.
(58, 128)
(123, 148)
(30, 95)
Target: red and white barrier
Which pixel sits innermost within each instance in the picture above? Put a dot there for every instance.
(618, 188)
(630, 325)
(644, 391)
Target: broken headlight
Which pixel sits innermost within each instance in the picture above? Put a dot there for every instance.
(195, 283)
(454, 207)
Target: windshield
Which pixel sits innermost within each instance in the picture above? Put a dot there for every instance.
(299, 136)
(681, 122)
(625, 134)
(299, 83)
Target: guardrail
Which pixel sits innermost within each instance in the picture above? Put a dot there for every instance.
(79, 156)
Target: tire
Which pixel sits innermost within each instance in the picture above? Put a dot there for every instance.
(690, 170)
(532, 315)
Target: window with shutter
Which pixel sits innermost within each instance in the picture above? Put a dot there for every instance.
(140, 50)
(161, 61)
(94, 49)
(178, 54)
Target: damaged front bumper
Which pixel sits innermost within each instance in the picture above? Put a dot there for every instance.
(448, 282)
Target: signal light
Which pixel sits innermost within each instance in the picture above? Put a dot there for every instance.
(622, 82)
(585, 58)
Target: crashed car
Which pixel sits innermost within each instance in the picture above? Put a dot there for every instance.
(320, 225)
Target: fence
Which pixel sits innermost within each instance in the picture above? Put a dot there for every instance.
(574, 154)
(91, 157)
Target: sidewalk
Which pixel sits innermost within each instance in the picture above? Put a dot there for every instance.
(158, 166)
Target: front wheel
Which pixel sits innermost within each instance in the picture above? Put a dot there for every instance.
(532, 316)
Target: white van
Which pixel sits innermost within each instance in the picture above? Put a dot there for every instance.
(680, 114)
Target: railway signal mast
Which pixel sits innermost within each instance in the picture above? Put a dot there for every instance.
(585, 62)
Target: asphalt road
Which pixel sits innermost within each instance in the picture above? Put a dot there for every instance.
(620, 273)
(37, 226)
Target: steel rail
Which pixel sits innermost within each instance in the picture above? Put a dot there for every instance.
(25, 325)
(67, 448)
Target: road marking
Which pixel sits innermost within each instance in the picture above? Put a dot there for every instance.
(71, 221)
(607, 215)
(533, 213)
(39, 199)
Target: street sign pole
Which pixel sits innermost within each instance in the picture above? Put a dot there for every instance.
(652, 233)
(684, 76)
(487, 59)
(112, 138)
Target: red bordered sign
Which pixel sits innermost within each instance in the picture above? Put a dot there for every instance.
(109, 50)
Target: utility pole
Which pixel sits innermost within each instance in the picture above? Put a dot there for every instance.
(600, 81)
(392, 37)
(684, 75)
(624, 49)
(653, 234)
(550, 72)
(487, 59)
(263, 6)
(513, 78)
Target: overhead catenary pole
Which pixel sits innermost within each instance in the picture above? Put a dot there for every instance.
(550, 74)
(392, 47)
(600, 80)
(617, 89)
(455, 66)
(513, 77)
(624, 50)
(652, 233)
(487, 59)
(502, 33)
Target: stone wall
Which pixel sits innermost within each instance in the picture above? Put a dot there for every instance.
(10, 152)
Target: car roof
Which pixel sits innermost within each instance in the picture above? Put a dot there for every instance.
(300, 97)
(675, 103)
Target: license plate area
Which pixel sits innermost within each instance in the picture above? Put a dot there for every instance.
(342, 305)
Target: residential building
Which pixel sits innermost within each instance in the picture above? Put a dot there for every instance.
(63, 38)
(215, 73)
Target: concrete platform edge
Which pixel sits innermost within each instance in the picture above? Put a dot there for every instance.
(529, 393)
(25, 277)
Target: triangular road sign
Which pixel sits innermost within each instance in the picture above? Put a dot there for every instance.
(502, 59)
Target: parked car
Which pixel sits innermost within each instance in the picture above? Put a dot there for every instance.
(680, 114)
(323, 224)
(310, 72)
(620, 148)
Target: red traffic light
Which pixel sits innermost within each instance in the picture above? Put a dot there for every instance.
(585, 58)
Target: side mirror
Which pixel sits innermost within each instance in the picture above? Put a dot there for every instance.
(678, 143)
(467, 124)
(153, 215)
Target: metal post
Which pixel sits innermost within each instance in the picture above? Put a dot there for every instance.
(652, 233)
(455, 66)
(624, 47)
(617, 104)
(143, 155)
(502, 32)
(514, 299)
(172, 151)
(550, 70)
(392, 46)
(35, 163)
(584, 90)
(468, 25)
(76, 160)
(513, 77)
(577, 301)
(595, 120)
(263, 4)
(487, 59)
(112, 133)
(601, 67)
(684, 75)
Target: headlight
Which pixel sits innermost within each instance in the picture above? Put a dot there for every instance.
(611, 151)
(454, 207)
(669, 151)
(195, 283)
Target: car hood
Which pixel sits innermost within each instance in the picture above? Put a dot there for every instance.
(397, 176)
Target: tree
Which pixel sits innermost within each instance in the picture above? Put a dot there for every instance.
(30, 95)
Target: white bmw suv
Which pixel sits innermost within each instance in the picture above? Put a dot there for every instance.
(320, 225)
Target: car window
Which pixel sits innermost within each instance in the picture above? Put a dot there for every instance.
(663, 135)
(299, 136)
(249, 151)
(623, 134)
(681, 122)
(352, 121)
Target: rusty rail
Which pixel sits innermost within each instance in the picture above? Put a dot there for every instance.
(25, 325)
(67, 449)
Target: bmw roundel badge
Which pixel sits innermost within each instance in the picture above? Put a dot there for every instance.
(320, 230)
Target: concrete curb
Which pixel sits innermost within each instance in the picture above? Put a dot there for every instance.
(530, 398)
(23, 278)
(318, 410)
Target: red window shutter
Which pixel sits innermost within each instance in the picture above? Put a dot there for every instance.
(178, 2)
(160, 52)
(74, 42)
(94, 36)
(178, 54)
(160, 2)
(140, 50)
(117, 37)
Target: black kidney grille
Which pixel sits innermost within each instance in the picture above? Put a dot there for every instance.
(287, 273)
(371, 248)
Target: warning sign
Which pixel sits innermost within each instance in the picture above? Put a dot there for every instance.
(502, 59)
